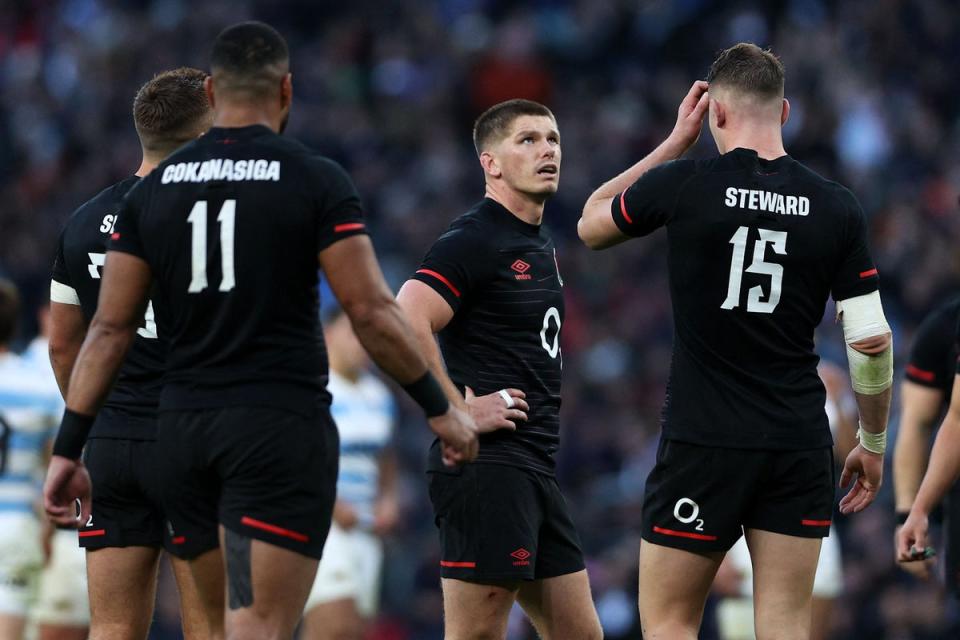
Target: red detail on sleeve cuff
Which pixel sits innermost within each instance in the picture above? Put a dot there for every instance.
(815, 523)
(623, 208)
(867, 274)
(115, 236)
(348, 226)
(440, 277)
(920, 374)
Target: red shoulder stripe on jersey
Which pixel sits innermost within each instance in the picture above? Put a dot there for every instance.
(917, 372)
(439, 277)
(623, 208)
(459, 565)
(348, 226)
(91, 534)
(272, 528)
(867, 274)
(815, 523)
(682, 534)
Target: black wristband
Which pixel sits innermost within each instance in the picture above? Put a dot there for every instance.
(902, 517)
(72, 434)
(427, 393)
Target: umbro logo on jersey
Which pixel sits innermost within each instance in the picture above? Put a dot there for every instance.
(521, 557)
(521, 268)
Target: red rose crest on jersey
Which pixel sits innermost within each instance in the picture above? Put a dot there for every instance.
(521, 557)
(521, 269)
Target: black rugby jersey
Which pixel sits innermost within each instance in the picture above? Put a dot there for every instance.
(499, 274)
(231, 225)
(933, 355)
(755, 249)
(81, 251)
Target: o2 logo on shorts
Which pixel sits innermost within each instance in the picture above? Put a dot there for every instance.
(686, 511)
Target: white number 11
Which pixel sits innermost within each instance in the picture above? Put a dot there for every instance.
(776, 239)
(198, 245)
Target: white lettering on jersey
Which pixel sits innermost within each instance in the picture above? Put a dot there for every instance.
(222, 169)
(109, 221)
(757, 200)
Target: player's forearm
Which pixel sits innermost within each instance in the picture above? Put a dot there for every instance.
(595, 228)
(63, 357)
(909, 462)
(388, 338)
(97, 365)
(874, 410)
(944, 466)
(427, 341)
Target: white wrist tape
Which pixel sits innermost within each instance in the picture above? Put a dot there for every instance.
(873, 442)
(862, 317)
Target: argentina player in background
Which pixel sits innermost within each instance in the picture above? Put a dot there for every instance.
(346, 591)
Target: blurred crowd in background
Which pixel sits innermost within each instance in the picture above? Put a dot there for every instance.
(390, 90)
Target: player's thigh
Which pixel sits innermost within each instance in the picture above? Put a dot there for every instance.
(674, 584)
(122, 584)
(783, 573)
(12, 625)
(267, 587)
(208, 573)
(333, 620)
(338, 574)
(193, 618)
(63, 607)
(475, 611)
(561, 607)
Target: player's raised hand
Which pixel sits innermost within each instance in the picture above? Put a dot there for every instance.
(67, 481)
(912, 538)
(690, 115)
(499, 410)
(458, 436)
(867, 468)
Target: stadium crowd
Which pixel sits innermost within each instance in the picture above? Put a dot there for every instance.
(390, 91)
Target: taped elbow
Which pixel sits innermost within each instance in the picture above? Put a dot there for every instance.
(869, 343)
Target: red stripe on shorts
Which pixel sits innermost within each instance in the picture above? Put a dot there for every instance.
(683, 534)
(815, 523)
(459, 565)
(91, 534)
(272, 528)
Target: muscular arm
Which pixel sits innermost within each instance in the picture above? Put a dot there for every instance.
(123, 299)
(596, 227)
(920, 407)
(68, 328)
(944, 464)
(356, 280)
(428, 314)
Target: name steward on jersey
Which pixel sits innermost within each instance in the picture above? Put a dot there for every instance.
(222, 169)
(767, 201)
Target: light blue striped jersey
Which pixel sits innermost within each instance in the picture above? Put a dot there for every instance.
(365, 414)
(30, 410)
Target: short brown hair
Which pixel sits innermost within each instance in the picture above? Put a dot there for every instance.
(171, 109)
(9, 311)
(495, 121)
(747, 68)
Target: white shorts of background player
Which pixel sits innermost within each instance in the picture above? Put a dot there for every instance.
(350, 568)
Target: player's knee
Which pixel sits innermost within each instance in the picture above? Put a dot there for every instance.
(115, 630)
(669, 630)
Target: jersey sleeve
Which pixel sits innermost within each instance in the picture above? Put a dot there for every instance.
(62, 289)
(456, 264)
(935, 337)
(126, 231)
(339, 210)
(856, 274)
(649, 203)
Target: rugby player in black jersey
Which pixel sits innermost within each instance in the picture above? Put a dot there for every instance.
(490, 288)
(229, 229)
(924, 397)
(127, 528)
(757, 243)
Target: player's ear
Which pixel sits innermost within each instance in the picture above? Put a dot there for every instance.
(784, 112)
(286, 90)
(718, 112)
(489, 164)
(208, 88)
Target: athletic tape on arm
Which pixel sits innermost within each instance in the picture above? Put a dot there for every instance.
(862, 317)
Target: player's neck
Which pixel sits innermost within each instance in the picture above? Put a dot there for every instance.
(234, 116)
(767, 143)
(519, 204)
(147, 165)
